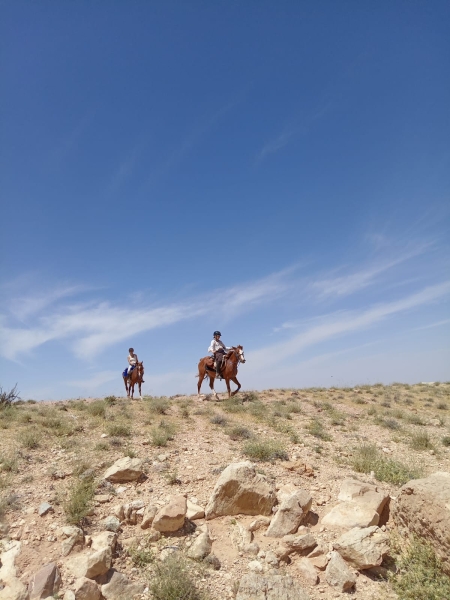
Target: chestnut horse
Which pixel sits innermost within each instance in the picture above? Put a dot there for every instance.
(136, 377)
(228, 372)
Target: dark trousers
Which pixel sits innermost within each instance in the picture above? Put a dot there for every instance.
(218, 357)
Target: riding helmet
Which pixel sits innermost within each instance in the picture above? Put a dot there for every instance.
(217, 333)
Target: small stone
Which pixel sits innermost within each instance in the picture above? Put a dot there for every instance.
(255, 566)
(46, 582)
(307, 571)
(172, 516)
(110, 523)
(44, 508)
(338, 575)
(86, 589)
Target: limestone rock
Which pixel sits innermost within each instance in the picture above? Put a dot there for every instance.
(74, 537)
(91, 565)
(105, 539)
(270, 587)
(285, 491)
(171, 517)
(148, 516)
(255, 566)
(13, 588)
(194, 511)
(69, 595)
(240, 490)
(46, 582)
(201, 547)
(123, 470)
(86, 589)
(423, 508)
(307, 570)
(366, 494)
(120, 587)
(290, 514)
(259, 523)
(338, 575)
(243, 539)
(347, 515)
(110, 523)
(298, 544)
(363, 548)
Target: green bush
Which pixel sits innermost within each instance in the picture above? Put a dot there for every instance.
(79, 499)
(31, 439)
(119, 430)
(97, 408)
(316, 429)
(239, 432)
(172, 581)
(419, 574)
(367, 458)
(265, 450)
(159, 406)
(446, 440)
(162, 434)
(421, 441)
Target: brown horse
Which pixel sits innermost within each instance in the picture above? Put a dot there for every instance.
(136, 377)
(228, 371)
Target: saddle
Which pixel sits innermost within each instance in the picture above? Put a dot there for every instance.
(210, 364)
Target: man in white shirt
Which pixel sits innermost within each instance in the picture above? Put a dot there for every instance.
(132, 360)
(218, 348)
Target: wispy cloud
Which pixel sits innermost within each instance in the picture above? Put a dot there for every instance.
(344, 322)
(95, 381)
(349, 284)
(89, 328)
(276, 144)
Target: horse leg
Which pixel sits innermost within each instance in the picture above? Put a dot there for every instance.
(227, 381)
(140, 393)
(211, 385)
(234, 380)
(201, 377)
(126, 386)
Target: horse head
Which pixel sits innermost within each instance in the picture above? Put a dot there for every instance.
(140, 368)
(240, 353)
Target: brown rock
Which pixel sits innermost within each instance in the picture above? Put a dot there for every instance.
(148, 517)
(86, 589)
(338, 575)
(172, 516)
(363, 548)
(240, 490)
(290, 514)
(307, 570)
(121, 588)
(91, 565)
(423, 508)
(123, 470)
(45, 582)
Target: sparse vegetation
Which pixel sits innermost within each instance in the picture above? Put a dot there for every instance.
(159, 406)
(162, 434)
(78, 501)
(219, 420)
(172, 581)
(421, 441)
(31, 439)
(419, 573)
(265, 450)
(316, 429)
(7, 398)
(119, 430)
(239, 432)
(367, 458)
(97, 408)
(141, 557)
(446, 440)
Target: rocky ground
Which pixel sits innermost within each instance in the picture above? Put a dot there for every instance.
(302, 491)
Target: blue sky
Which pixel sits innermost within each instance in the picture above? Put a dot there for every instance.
(279, 171)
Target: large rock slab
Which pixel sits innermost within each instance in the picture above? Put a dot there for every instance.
(241, 491)
(366, 494)
(423, 508)
(172, 516)
(290, 514)
(123, 470)
(119, 587)
(270, 587)
(361, 505)
(46, 582)
(13, 588)
(338, 575)
(91, 565)
(363, 548)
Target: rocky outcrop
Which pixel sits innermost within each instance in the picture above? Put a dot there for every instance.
(270, 587)
(123, 470)
(46, 582)
(74, 537)
(338, 575)
(172, 516)
(290, 514)
(301, 544)
(240, 490)
(363, 548)
(194, 511)
(360, 505)
(148, 516)
(423, 508)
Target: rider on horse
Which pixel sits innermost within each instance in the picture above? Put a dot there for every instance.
(218, 348)
(132, 361)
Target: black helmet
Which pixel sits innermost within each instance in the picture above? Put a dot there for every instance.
(217, 333)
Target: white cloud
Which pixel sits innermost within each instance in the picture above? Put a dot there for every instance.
(96, 380)
(341, 323)
(91, 328)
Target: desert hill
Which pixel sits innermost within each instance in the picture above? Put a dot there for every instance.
(304, 492)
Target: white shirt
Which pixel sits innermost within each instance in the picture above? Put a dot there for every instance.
(132, 359)
(216, 345)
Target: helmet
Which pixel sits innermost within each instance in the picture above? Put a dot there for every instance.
(217, 333)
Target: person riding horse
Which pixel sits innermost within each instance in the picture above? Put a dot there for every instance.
(132, 361)
(218, 349)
